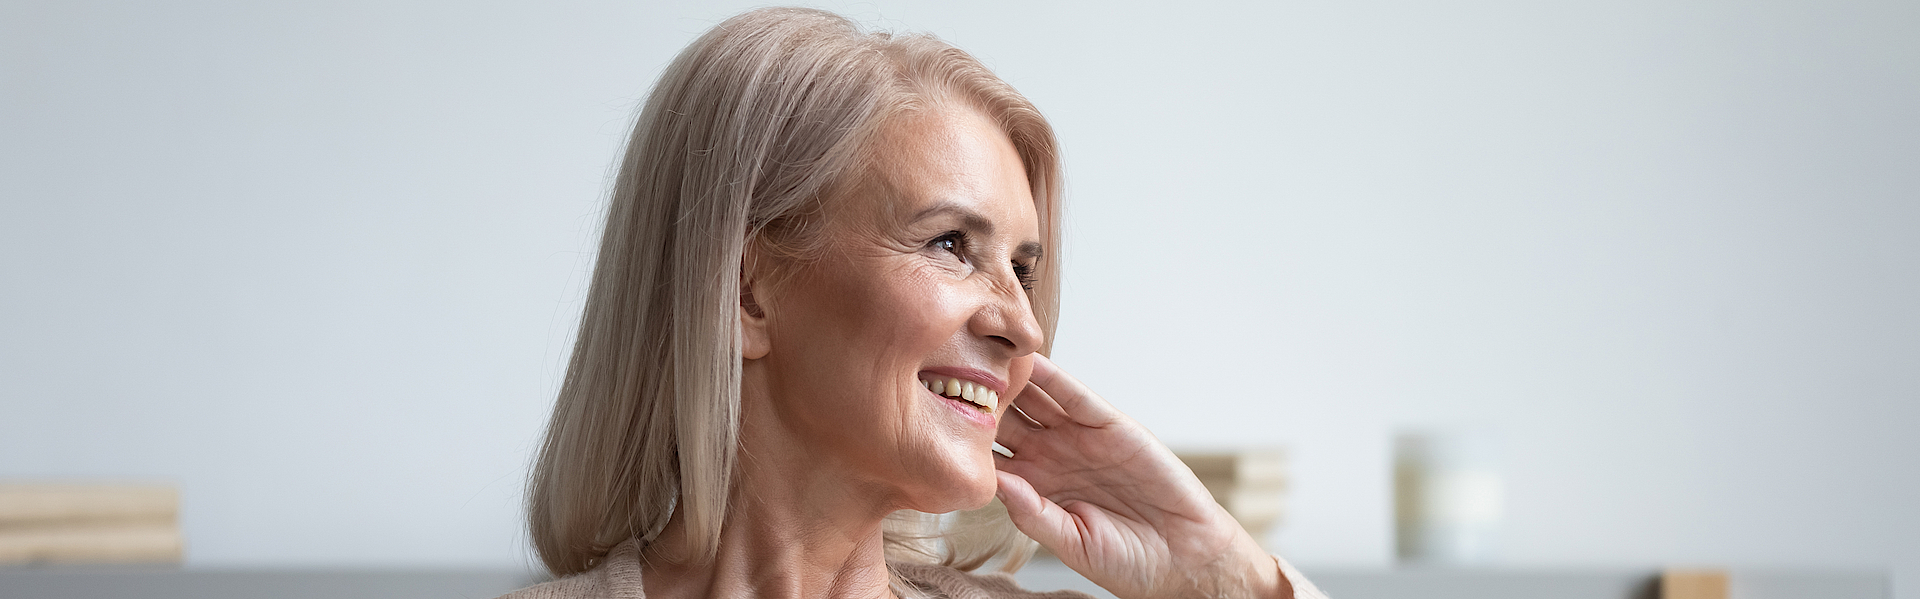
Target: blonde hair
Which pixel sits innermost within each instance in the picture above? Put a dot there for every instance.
(748, 129)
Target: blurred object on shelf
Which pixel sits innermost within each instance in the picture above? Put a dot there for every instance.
(1448, 497)
(1693, 584)
(89, 523)
(1250, 483)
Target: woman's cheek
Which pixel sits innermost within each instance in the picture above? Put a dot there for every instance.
(1017, 375)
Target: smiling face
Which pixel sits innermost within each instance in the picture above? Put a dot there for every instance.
(921, 281)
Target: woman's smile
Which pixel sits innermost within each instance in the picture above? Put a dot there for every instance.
(823, 282)
(976, 394)
(891, 356)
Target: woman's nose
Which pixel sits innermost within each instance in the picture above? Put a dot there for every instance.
(1007, 319)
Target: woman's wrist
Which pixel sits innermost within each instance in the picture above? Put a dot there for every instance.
(1260, 577)
(1273, 583)
(1251, 573)
(1264, 577)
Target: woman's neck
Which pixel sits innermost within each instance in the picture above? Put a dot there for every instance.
(795, 528)
(775, 561)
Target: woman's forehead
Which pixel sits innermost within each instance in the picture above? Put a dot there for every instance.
(946, 163)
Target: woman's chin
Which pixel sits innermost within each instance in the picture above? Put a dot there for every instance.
(979, 495)
(968, 487)
(959, 502)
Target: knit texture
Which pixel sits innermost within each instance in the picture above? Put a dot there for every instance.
(619, 578)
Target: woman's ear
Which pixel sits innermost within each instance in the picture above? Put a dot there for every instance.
(754, 340)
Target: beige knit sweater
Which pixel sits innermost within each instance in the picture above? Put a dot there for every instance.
(619, 578)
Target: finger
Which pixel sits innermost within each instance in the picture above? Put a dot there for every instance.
(1034, 473)
(1075, 399)
(1030, 458)
(1038, 405)
(1016, 431)
(1038, 517)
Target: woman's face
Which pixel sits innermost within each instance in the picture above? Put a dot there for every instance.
(922, 282)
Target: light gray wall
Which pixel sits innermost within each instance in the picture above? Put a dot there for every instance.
(318, 264)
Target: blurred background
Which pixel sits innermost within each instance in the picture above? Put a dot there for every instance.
(318, 264)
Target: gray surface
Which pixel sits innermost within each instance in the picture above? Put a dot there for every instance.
(107, 583)
(1421, 584)
(1414, 583)
(1487, 584)
(1810, 585)
(1047, 575)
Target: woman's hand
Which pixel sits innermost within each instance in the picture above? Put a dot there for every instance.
(1104, 495)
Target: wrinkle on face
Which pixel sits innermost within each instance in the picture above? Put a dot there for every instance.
(850, 331)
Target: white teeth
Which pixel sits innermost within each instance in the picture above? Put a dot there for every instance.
(967, 390)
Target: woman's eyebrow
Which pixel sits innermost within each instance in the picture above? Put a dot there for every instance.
(980, 225)
(969, 219)
(1031, 250)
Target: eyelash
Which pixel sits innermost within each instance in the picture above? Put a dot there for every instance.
(956, 242)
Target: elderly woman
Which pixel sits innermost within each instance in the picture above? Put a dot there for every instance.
(827, 284)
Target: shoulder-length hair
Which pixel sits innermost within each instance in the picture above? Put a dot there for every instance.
(747, 131)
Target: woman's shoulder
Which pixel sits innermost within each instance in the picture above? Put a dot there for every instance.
(949, 582)
(617, 577)
(585, 585)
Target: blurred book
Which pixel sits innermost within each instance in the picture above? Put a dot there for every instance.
(89, 523)
(1250, 483)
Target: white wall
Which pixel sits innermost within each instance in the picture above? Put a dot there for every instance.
(318, 265)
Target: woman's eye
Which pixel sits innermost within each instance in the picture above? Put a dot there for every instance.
(1024, 272)
(951, 242)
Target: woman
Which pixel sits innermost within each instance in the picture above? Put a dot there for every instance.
(824, 291)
